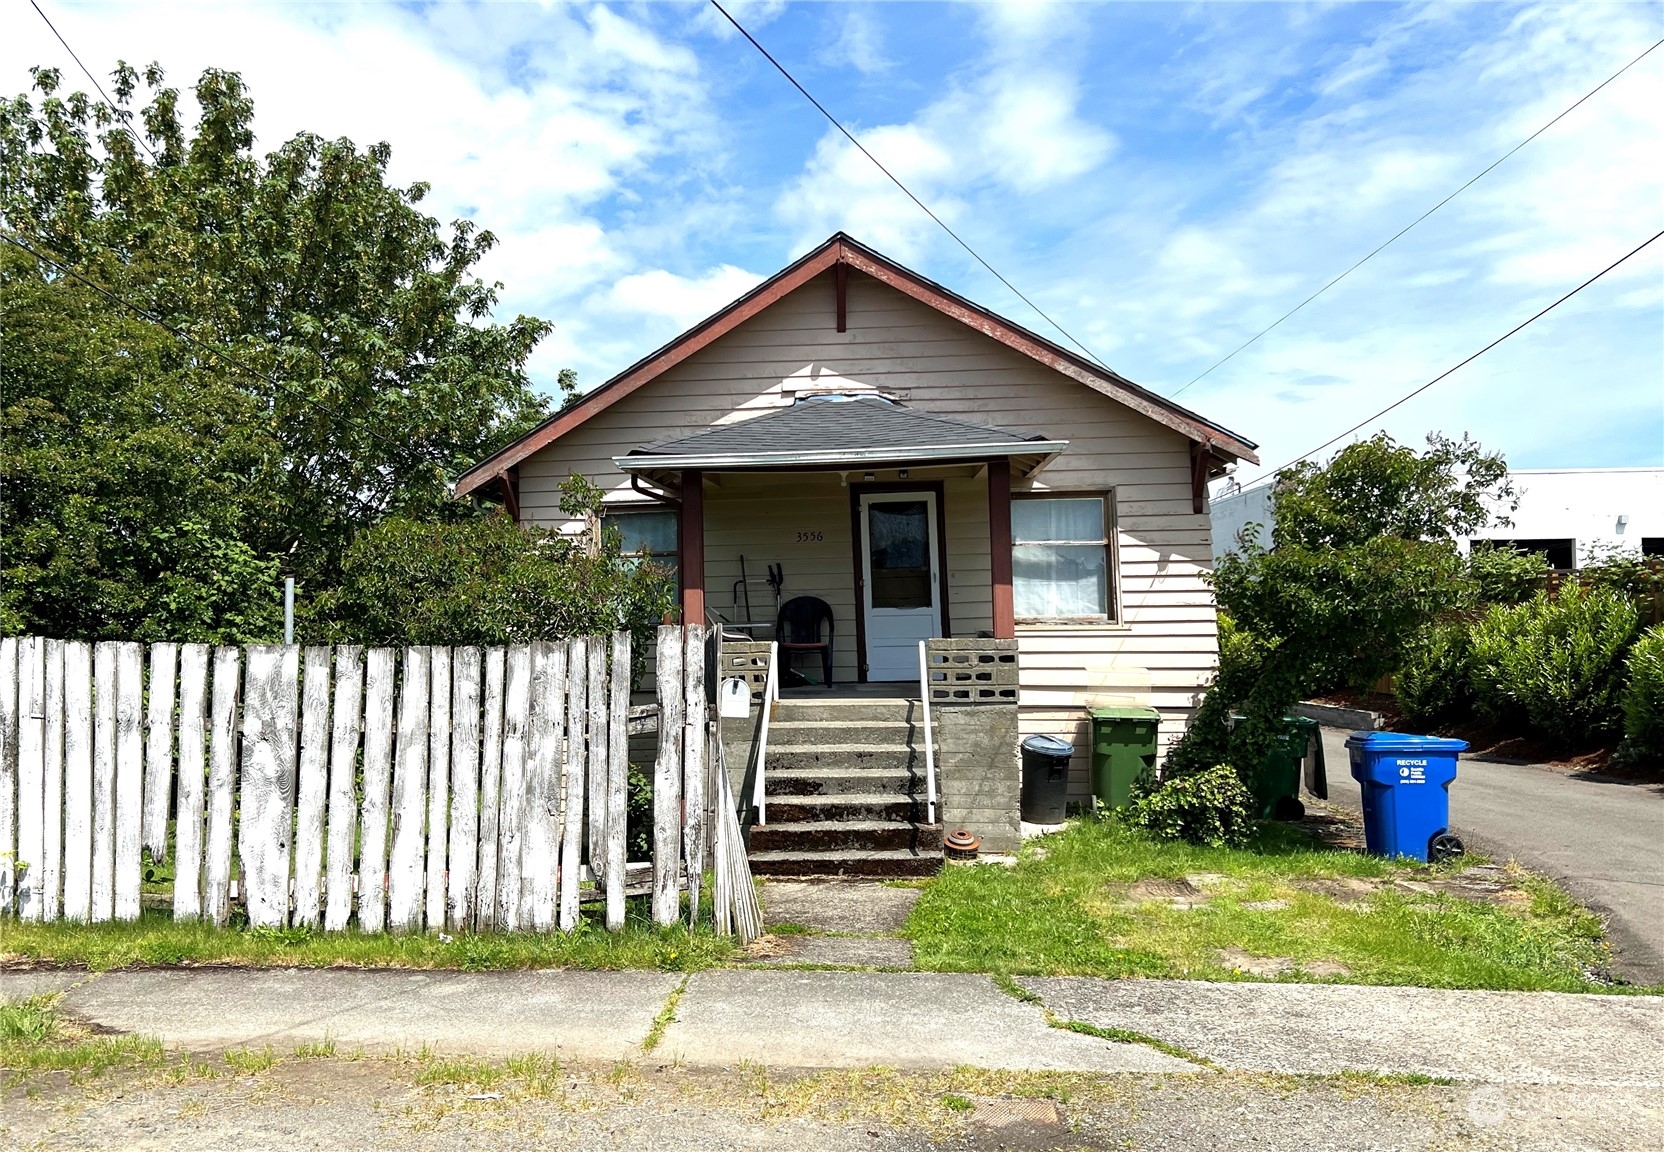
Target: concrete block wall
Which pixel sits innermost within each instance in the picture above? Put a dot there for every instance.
(977, 771)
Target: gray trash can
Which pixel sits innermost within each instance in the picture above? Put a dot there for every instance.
(1045, 779)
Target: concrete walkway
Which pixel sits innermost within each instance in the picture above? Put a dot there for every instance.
(908, 1020)
(1604, 841)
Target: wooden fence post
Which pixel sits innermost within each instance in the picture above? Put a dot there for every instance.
(313, 789)
(347, 722)
(404, 889)
(193, 781)
(439, 784)
(595, 762)
(158, 751)
(103, 783)
(78, 743)
(572, 801)
(618, 778)
(31, 774)
(511, 796)
(491, 768)
(380, 666)
(667, 778)
(52, 786)
(465, 787)
(8, 774)
(694, 741)
(265, 829)
(222, 780)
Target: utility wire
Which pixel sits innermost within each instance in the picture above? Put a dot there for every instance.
(1269, 476)
(114, 107)
(181, 334)
(833, 120)
(1475, 179)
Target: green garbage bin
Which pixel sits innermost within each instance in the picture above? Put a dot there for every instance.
(1276, 785)
(1123, 749)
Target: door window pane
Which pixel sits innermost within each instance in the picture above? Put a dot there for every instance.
(1060, 558)
(898, 533)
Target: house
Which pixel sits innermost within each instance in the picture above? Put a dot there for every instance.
(925, 467)
(1565, 514)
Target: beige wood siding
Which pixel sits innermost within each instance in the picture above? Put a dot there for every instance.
(1164, 648)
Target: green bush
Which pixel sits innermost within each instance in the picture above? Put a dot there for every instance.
(1555, 663)
(1502, 575)
(1211, 807)
(1435, 685)
(1643, 701)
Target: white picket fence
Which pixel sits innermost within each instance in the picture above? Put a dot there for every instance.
(428, 788)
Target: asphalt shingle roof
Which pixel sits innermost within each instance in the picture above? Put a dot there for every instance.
(833, 424)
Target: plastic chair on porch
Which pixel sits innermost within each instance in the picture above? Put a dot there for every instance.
(797, 629)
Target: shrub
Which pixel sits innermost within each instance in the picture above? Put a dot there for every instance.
(1502, 575)
(1211, 807)
(1643, 701)
(1555, 663)
(1435, 685)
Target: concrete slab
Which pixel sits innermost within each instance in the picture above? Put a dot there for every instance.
(1495, 1037)
(576, 1015)
(21, 985)
(851, 951)
(898, 1019)
(865, 906)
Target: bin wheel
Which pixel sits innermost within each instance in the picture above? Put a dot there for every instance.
(1288, 808)
(1445, 846)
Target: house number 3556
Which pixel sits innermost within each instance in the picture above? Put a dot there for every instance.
(810, 537)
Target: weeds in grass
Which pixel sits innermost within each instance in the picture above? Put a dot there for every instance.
(1007, 984)
(27, 1021)
(954, 1102)
(1128, 1036)
(666, 1017)
(249, 1061)
(316, 1049)
(34, 1037)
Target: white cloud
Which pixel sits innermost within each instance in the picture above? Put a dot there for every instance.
(680, 299)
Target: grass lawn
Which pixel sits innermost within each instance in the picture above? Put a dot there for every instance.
(1101, 900)
(155, 939)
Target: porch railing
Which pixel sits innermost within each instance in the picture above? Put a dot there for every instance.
(929, 743)
(771, 693)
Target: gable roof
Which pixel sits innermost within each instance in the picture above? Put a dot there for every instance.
(858, 431)
(840, 249)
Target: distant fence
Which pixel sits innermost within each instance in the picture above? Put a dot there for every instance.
(398, 790)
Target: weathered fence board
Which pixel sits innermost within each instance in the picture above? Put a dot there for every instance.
(439, 772)
(193, 779)
(694, 746)
(380, 666)
(541, 854)
(491, 769)
(618, 777)
(265, 829)
(52, 784)
(158, 748)
(129, 866)
(465, 778)
(595, 763)
(404, 883)
(667, 779)
(511, 806)
(104, 783)
(572, 802)
(222, 784)
(77, 902)
(347, 721)
(31, 774)
(8, 774)
(313, 787)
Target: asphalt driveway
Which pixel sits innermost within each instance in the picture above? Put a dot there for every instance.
(1603, 840)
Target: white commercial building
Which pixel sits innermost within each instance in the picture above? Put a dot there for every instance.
(1564, 513)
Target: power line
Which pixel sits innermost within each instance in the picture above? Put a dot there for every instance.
(1269, 476)
(181, 334)
(114, 107)
(1475, 179)
(833, 120)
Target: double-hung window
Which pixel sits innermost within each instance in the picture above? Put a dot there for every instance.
(1062, 558)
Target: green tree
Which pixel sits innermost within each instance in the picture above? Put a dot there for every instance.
(133, 458)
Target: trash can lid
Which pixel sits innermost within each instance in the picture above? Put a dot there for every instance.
(1048, 746)
(1305, 722)
(1123, 712)
(1404, 742)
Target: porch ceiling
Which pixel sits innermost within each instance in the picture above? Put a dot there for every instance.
(831, 432)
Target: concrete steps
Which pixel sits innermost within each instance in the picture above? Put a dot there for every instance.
(846, 791)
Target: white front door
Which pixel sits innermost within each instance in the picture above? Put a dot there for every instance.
(900, 580)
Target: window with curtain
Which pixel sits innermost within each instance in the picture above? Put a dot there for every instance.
(1060, 558)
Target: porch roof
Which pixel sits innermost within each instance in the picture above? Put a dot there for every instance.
(829, 431)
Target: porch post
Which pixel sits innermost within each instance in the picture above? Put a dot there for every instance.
(693, 547)
(999, 546)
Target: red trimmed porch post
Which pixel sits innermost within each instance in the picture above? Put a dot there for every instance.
(693, 547)
(999, 546)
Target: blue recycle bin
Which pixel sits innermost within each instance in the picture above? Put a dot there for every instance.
(1406, 793)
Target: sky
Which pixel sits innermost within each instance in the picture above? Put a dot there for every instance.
(1163, 180)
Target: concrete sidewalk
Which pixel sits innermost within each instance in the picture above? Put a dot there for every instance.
(825, 1019)
(1603, 840)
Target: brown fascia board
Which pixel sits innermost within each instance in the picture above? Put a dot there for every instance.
(842, 249)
